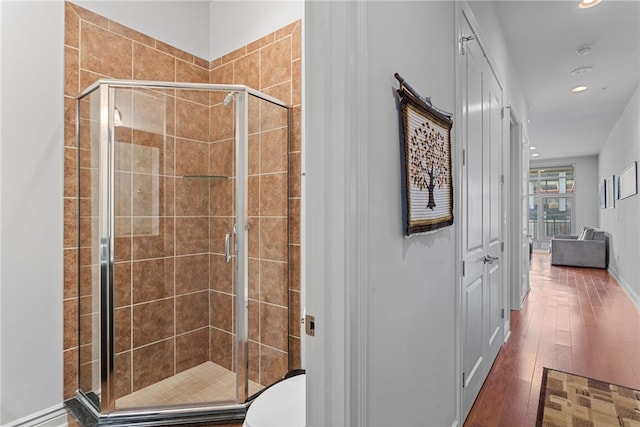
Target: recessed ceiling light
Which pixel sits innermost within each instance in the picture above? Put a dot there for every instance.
(577, 89)
(586, 50)
(580, 71)
(586, 4)
(532, 148)
(535, 155)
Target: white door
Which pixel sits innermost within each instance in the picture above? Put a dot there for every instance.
(481, 219)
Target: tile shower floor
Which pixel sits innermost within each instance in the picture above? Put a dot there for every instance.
(207, 382)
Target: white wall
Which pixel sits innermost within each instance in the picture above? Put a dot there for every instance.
(622, 223)
(385, 305)
(237, 23)
(31, 191)
(182, 24)
(206, 28)
(1, 411)
(586, 195)
(411, 301)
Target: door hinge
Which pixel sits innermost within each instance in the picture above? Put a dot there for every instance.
(502, 179)
(464, 154)
(502, 313)
(501, 246)
(462, 268)
(463, 380)
(463, 41)
(502, 113)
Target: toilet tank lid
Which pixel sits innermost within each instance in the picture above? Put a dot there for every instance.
(283, 404)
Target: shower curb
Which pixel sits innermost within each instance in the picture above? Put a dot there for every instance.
(195, 418)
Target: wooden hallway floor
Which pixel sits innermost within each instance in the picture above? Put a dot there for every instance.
(577, 320)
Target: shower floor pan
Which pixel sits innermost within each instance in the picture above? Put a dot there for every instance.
(207, 382)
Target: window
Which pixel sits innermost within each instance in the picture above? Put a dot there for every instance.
(551, 202)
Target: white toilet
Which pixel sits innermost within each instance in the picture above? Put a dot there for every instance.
(281, 405)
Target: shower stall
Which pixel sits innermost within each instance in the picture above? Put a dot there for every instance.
(183, 266)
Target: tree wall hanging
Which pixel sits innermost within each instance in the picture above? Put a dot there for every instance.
(426, 165)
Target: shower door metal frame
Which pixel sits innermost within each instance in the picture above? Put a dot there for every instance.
(107, 413)
(107, 246)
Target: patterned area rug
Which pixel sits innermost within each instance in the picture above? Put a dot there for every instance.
(571, 400)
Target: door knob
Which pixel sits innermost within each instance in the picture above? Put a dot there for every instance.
(488, 259)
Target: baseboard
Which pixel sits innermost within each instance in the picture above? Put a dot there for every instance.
(56, 416)
(635, 298)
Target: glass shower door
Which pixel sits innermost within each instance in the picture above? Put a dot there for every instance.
(174, 217)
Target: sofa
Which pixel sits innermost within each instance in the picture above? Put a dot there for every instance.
(590, 248)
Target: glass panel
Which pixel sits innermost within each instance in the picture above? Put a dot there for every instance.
(557, 216)
(552, 180)
(548, 186)
(89, 243)
(269, 205)
(533, 217)
(555, 212)
(556, 171)
(223, 260)
(174, 293)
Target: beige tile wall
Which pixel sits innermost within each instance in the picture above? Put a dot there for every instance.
(272, 65)
(162, 307)
(187, 319)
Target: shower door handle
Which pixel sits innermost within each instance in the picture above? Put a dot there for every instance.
(227, 247)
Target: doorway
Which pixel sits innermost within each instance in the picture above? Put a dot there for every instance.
(519, 233)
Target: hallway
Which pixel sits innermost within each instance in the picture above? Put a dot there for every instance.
(577, 320)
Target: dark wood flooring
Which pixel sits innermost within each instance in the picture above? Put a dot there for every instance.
(577, 320)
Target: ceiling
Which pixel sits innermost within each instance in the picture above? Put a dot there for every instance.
(542, 38)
